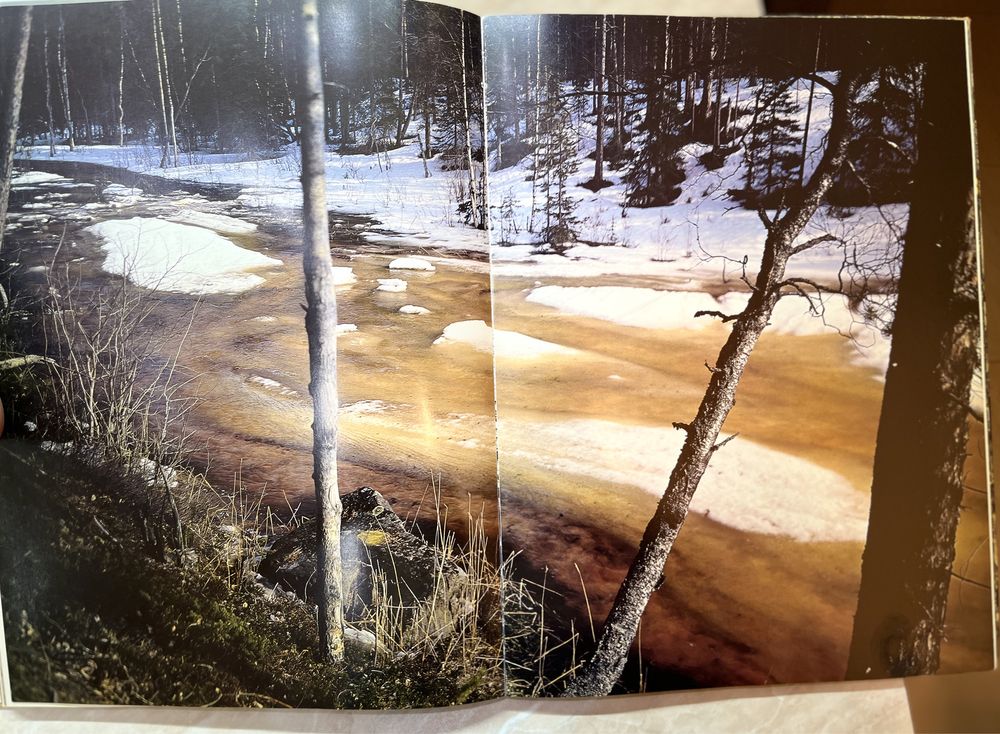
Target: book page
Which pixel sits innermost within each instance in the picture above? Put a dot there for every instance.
(158, 539)
(738, 351)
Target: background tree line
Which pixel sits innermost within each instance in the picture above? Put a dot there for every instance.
(650, 86)
(220, 76)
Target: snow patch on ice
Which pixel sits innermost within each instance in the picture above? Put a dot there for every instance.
(508, 344)
(272, 385)
(391, 285)
(413, 310)
(344, 276)
(218, 222)
(411, 263)
(162, 255)
(29, 178)
(746, 486)
(365, 406)
(642, 307)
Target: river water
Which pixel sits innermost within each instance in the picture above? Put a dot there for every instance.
(740, 604)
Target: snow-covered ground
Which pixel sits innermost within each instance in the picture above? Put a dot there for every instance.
(391, 187)
(155, 253)
(703, 236)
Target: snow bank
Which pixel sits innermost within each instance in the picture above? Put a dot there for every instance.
(508, 344)
(154, 253)
(410, 263)
(390, 185)
(414, 310)
(391, 285)
(746, 486)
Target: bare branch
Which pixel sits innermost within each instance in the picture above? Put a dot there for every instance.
(722, 443)
(808, 244)
(718, 314)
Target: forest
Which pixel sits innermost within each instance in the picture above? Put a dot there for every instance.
(184, 78)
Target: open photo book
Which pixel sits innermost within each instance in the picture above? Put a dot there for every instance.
(650, 355)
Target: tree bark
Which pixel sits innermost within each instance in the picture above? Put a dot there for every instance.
(12, 112)
(474, 202)
(599, 675)
(48, 90)
(601, 45)
(321, 329)
(64, 80)
(920, 452)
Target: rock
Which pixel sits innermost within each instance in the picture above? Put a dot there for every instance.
(374, 543)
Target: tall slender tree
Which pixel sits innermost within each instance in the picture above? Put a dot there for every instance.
(12, 111)
(321, 330)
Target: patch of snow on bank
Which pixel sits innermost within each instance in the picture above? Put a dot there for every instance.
(346, 328)
(747, 486)
(411, 263)
(391, 285)
(508, 344)
(162, 255)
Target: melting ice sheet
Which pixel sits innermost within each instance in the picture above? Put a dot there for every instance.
(168, 256)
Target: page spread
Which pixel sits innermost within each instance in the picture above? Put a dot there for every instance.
(656, 345)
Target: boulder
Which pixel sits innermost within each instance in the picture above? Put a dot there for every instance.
(375, 546)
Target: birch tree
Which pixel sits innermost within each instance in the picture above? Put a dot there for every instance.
(12, 114)
(321, 330)
(645, 575)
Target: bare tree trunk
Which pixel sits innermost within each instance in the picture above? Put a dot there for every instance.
(321, 329)
(64, 80)
(12, 113)
(121, 85)
(809, 109)
(428, 107)
(48, 90)
(645, 575)
(717, 131)
(473, 187)
(920, 451)
(170, 113)
(536, 149)
(403, 122)
(165, 157)
(601, 45)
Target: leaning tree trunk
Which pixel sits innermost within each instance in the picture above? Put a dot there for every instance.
(12, 112)
(321, 329)
(599, 675)
(921, 444)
